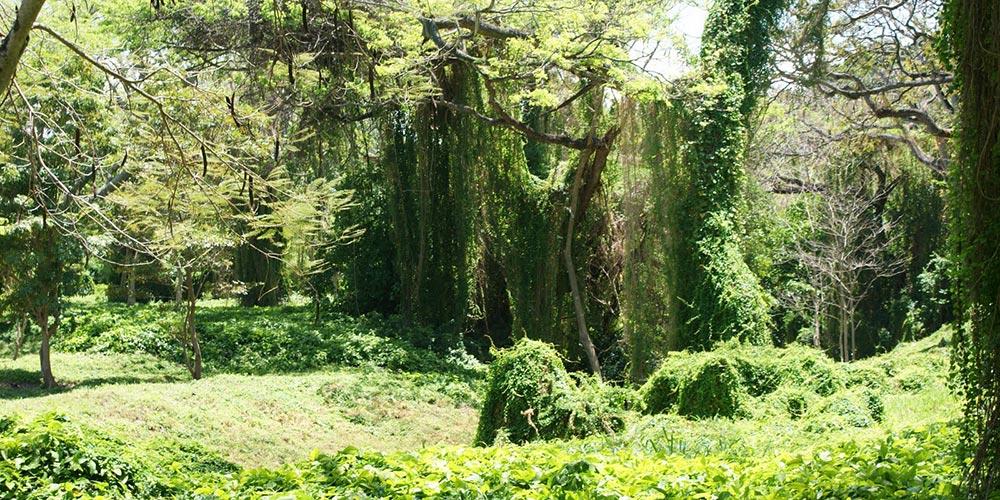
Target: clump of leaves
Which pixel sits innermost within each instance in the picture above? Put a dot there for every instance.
(717, 389)
(529, 395)
(721, 382)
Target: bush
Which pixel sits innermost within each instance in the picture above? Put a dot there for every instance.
(866, 376)
(50, 457)
(529, 395)
(721, 382)
(792, 402)
(660, 392)
(256, 340)
(716, 389)
(858, 407)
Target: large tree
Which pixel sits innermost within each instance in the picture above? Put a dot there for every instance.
(971, 27)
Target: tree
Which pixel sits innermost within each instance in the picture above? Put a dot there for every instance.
(722, 297)
(33, 263)
(875, 65)
(845, 256)
(970, 29)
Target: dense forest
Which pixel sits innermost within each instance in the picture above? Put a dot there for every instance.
(503, 249)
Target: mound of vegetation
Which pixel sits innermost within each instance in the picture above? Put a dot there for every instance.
(723, 382)
(529, 395)
(50, 457)
(795, 382)
(260, 340)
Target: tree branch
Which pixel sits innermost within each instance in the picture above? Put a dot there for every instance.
(16, 40)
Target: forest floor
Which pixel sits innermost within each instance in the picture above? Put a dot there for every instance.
(251, 420)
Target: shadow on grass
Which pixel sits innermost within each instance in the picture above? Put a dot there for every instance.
(18, 383)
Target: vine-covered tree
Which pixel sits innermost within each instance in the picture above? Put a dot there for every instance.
(971, 28)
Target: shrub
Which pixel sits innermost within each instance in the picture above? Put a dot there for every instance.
(792, 402)
(660, 392)
(759, 371)
(47, 455)
(529, 395)
(805, 367)
(258, 340)
(920, 463)
(858, 407)
(866, 376)
(716, 389)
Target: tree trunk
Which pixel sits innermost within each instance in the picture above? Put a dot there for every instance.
(192, 332)
(131, 279)
(44, 351)
(19, 327)
(581, 320)
(16, 40)
(179, 287)
(843, 331)
(817, 307)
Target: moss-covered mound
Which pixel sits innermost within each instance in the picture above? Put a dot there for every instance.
(529, 395)
(716, 389)
(722, 382)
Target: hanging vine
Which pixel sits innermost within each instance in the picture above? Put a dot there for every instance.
(430, 162)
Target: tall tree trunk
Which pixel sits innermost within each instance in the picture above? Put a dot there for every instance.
(130, 300)
(16, 40)
(843, 330)
(581, 319)
(179, 287)
(817, 309)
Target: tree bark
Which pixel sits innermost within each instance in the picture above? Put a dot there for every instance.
(581, 320)
(19, 326)
(16, 40)
(192, 333)
(816, 325)
(44, 351)
(131, 278)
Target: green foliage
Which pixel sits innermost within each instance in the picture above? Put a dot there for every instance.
(659, 394)
(51, 457)
(430, 165)
(529, 395)
(715, 389)
(847, 408)
(700, 143)
(911, 464)
(48, 458)
(722, 382)
(970, 43)
(261, 340)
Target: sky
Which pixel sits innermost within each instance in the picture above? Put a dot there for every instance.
(688, 23)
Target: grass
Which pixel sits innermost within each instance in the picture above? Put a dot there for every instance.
(251, 420)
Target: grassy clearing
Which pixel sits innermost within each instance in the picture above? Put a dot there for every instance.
(262, 420)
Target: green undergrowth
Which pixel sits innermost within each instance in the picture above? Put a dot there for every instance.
(258, 341)
(52, 458)
(529, 395)
(799, 384)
